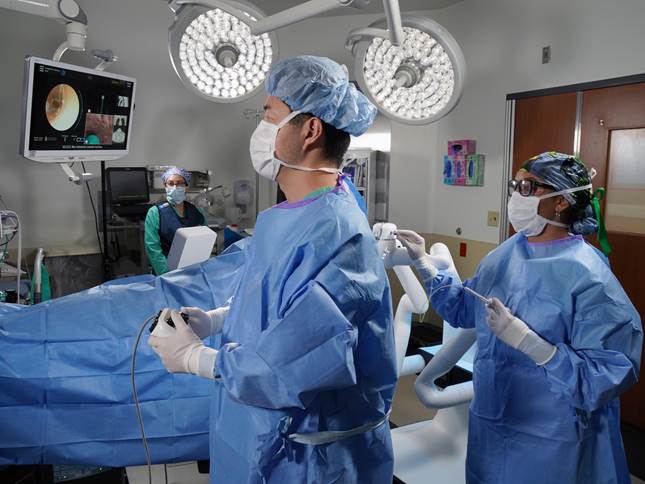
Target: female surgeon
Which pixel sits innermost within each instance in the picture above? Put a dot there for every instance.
(558, 342)
(163, 219)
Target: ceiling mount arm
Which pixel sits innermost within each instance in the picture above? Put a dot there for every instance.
(64, 11)
(76, 35)
(301, 12)
(393, 15)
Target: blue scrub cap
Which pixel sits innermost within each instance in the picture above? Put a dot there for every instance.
(563, 171)
(320, 86)
(173, 170)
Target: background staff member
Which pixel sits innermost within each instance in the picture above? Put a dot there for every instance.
(163, 219)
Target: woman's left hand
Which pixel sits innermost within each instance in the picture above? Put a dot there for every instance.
(516, 333)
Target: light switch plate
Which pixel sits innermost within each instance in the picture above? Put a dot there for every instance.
(493, 219)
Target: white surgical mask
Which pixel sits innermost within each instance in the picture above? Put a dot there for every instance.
(523, 212)
(176, 194)
(262, 149)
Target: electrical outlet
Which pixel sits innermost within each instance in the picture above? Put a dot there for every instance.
(493, 219)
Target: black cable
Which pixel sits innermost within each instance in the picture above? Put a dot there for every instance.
(23, 478)
(165, 471)
(136, 398)
(96, 218)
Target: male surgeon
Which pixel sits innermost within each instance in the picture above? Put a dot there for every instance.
(304, 376)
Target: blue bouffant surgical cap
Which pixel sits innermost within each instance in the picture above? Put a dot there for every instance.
(320, 86)
(563, 171)
(173, 170)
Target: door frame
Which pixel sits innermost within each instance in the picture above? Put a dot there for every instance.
(509, 127)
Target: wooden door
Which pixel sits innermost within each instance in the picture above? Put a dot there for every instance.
(544, 123)
(613, 142)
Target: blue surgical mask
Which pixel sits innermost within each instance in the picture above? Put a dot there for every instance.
(176, 195)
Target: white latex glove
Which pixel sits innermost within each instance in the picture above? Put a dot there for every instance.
(183, 351)
(206, 323)
(412, 241)
(516, 333)
(416, 246)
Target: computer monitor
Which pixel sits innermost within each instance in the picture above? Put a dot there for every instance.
(73, 113)
(127, 185)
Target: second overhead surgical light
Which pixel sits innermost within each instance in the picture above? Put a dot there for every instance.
(419, 81)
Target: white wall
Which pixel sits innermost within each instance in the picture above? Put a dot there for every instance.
(502, 42)
(171, 124)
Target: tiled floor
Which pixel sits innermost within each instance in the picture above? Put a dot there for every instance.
(406, 408)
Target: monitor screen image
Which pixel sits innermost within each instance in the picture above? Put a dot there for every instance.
(72, 113)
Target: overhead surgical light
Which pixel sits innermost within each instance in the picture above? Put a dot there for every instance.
(214, 52)
(417, 82)
(410, 67)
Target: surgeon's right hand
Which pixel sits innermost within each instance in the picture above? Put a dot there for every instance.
(206, 323)
(412, 241)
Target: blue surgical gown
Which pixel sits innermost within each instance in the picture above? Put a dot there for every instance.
(308, 346)
(558, 422)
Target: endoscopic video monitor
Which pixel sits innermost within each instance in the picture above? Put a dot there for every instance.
(73, 113)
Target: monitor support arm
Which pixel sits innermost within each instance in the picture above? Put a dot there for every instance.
(76, 178)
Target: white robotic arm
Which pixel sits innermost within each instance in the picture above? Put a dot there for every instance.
(430, 395)
(415, 300)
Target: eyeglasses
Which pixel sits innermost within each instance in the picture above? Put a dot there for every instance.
(175, 184)
(526, 187)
